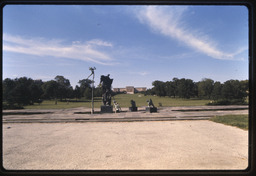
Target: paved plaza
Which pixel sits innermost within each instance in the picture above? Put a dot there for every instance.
(58, 141)
(82, 114)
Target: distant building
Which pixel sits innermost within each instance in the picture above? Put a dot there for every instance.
(130, 89)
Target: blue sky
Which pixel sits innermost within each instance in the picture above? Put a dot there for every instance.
(134, 44)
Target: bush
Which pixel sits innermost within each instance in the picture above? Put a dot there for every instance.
(11, 106)
(228, 102)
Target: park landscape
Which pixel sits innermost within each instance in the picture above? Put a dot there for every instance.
(26, 93)
(97, 141)
(58, 114)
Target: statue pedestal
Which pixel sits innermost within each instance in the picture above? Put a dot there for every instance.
(151, 109)
(133, 109)
(106, 109)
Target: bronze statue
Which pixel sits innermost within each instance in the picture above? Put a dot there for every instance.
(151, 108)
(133, 103)
(150, 103)
(106, 83)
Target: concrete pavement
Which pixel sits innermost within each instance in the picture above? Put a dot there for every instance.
(172, 139)
(83, 114)
(169, 145)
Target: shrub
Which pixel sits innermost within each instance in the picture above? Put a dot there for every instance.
(11, 106)
(228, 102)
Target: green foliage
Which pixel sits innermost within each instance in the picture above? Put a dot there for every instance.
(240, 121)
(186, 88)
(64, 89)
(76, 92)
(88, 93)
(205, 88)
(21, 91)
(232, 89)
(216, 92)
(50, 89)
(25, 91)
(230, 92)
(183, 88)
(228, 102)
(11, 106)
(159, 88)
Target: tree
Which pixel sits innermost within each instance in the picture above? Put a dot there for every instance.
(64, 87)
(205, 88)
(186, 88)
(175, 83)
(216, 92)
(50, 89)
(22, 92)
(77, 93)
(84, 84)
(245, 86)
(88, 93)
(97, 91)
(8, 94)
(159, 88)
(170, 88)
(36, 91)
(232, 89)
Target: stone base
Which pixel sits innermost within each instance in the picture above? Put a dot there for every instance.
(151, 109)
(132, 109)
(106, 109)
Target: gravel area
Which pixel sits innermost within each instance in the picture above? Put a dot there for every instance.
(168, 145)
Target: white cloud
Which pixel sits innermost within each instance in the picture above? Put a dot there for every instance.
(100, 43)
(169, 22)
(90, 51)
(142, 73)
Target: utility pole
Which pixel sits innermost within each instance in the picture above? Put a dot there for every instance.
(92, 74)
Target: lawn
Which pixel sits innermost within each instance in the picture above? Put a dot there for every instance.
(123, 100)
(240, 121)
(50, 104)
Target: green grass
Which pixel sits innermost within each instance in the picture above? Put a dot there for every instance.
(141, 100)
(240, 121)
(123, 100)
(50, 104)
(229, 109)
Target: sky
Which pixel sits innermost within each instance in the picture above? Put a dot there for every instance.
(135, 44)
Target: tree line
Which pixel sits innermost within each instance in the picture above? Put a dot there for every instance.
(26, 91)
(231, 90)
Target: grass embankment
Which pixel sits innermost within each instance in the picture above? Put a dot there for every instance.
(240, 121)
(123, 100)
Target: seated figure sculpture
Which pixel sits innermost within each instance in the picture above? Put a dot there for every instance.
(133, 108)
(150, 103)
(117, 107)
(151, 108)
